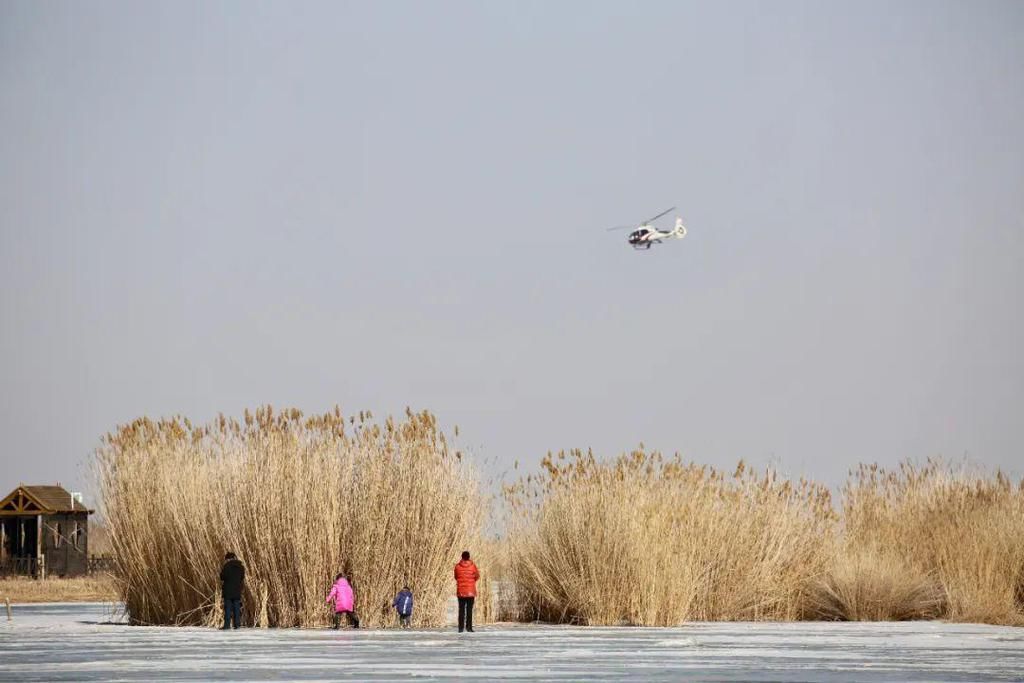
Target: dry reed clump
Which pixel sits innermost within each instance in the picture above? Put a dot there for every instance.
(958, 530)
(299, 500)
(97, 587)
(866, 586)
(648, 541)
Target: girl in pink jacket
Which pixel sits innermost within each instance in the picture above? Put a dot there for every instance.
(342, 597)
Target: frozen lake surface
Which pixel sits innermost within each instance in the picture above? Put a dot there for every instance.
(81, 642)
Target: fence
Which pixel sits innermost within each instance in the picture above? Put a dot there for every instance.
(29, 566)
(18, 566)
(101, 564)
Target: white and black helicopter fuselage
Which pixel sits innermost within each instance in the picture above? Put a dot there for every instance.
(646, 234)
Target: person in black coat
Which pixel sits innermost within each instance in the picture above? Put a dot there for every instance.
(232, 576)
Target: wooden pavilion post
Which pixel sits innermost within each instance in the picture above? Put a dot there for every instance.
(40, 562)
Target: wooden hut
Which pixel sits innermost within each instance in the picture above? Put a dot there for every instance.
(44, 531)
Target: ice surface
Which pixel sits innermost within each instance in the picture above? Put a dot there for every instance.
(85, 642)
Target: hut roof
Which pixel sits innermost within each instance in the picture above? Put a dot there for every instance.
(40, 500)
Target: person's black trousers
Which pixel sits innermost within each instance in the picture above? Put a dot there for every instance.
(465, 614)
(232, 612)
(353, 620)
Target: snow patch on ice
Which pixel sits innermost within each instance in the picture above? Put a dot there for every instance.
(676, 642)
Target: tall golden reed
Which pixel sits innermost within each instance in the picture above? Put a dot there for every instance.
(955, 534)
(298, 499)
(642, 540)
(648, 541)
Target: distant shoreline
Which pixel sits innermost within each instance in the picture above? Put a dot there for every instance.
(26, 590)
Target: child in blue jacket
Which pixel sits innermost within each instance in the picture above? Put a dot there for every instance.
(403, 603)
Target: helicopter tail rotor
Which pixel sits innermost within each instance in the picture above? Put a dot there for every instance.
(680, 230)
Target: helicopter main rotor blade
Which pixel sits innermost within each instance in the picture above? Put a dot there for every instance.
(621, 227)
(651, 220)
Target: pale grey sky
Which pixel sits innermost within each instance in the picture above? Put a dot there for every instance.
(208, 206)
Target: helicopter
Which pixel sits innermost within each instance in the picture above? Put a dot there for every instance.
(646, 234)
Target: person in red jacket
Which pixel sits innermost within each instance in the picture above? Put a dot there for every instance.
(466, 575)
